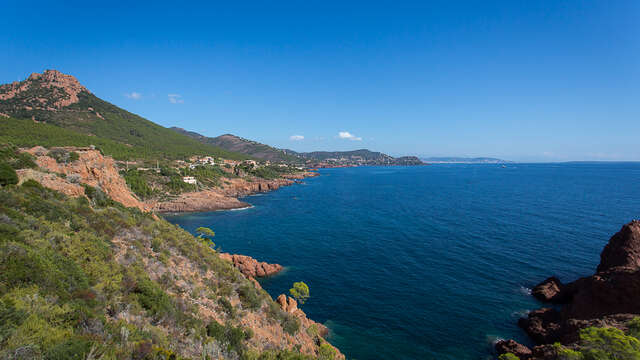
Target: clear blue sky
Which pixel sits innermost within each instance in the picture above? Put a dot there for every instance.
(522, 80)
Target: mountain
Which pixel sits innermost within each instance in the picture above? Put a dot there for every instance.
(463, 160)
(237, 144)
(56, 99)
(261, 151)
(359, 157)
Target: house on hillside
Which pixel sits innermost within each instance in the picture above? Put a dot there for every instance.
(189, 180)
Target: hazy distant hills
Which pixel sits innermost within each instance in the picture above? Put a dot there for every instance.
(463, 160)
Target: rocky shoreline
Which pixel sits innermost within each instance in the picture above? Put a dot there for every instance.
(226, 197)
(609, 298)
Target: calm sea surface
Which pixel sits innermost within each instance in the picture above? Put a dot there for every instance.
(430, 262)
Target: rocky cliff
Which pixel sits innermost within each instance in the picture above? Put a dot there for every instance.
(609, 298)
(90, 168)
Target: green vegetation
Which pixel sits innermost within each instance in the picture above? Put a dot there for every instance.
(508, 356)
(138, 184)
(156, 143)
(300, 291)
(604, 344)
(244, 146)
(64, 294)
(270, 172)
(8, 175)
(18, 160)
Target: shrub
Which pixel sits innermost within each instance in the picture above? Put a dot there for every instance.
(291, 324)
(300, 291)
(326, 352)
(508, 356)
(230, 336)
(8, 175)
(152, 298)
(249, 296)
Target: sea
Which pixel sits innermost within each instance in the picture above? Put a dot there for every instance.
(429, 262)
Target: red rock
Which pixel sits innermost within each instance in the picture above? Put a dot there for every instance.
(548, 290)
(514, 347)
(251, 267)
(623, 250)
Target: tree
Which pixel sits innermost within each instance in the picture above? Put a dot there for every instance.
(206, 234)
(8, 176)
(300, 291)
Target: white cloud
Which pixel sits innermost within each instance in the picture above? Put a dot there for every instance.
(349, 136)
(134, 95)
(175, 99)
(296, 137)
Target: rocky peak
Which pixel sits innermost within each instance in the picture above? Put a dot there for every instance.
(51, 90)
(58, 79)
(622, 253)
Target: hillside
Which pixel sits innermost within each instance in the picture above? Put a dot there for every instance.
(257, 150)
(59, 100)
(243, 146)
(84, 277)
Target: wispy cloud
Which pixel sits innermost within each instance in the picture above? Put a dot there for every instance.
(175, 99)
(349, 136)
(296, 137)
(133, 95)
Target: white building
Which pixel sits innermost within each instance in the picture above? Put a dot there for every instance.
(189, 179)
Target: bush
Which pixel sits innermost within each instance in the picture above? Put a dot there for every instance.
(249, 297)
(291, 324)
(508, 356)
(230, 336)
(8, 175)
(326, 352)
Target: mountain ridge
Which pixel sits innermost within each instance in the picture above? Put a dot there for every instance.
(261, 151)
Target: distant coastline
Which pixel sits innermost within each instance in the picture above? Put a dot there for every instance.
(463, 160)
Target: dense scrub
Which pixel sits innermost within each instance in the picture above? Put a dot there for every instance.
(76, 282)
(142, 139)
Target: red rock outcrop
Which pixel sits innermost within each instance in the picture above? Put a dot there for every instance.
(92, 169)
(607, 298)
(512, 346)
(48, 79)
(206, 200)
(224, 198)
(251, 267)
(51, 181)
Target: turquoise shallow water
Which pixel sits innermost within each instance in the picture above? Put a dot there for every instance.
(431, 262)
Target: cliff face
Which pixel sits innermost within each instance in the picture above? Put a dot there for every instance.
(609, 298)
(90, 168)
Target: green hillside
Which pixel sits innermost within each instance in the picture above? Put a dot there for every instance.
(59, 100)
(237, 144)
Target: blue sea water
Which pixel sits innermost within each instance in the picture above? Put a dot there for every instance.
(430, 262)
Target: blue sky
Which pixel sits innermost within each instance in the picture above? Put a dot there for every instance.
(521, 80)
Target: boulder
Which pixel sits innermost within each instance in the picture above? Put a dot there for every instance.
(549, 290)
(514, 347)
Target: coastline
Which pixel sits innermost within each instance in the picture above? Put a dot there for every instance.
(225, 197)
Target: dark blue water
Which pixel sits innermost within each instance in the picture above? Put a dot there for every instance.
(430, 262)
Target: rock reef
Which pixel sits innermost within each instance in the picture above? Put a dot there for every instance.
(609, 298)
(251, 267)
